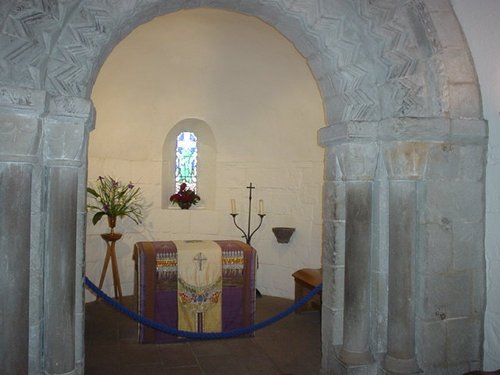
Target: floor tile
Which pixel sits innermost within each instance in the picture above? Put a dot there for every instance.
(222, 365)
(211, 348)
(102, 355)
(290, 346)
(177, 355)
(94, 369)
(188, 370)
(135, 353)
(143, 369)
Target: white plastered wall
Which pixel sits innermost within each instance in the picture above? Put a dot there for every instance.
(255, 91)
(481, 24)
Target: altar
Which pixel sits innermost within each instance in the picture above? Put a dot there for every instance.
(198, 286)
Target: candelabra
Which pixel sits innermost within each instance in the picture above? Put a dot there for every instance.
(248, 234)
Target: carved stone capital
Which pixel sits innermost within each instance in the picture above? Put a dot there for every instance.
(65, 129)
(19, 137)
(358, 161)
(406, 160)
(74, 107)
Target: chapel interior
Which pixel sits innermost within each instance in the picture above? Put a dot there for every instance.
(367, 129)
(251, 100)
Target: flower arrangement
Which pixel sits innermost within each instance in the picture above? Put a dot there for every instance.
(184, 197)
(115, 199)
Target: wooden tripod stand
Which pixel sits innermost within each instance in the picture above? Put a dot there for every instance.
(111, 239)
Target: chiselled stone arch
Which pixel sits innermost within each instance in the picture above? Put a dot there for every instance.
(404, 143)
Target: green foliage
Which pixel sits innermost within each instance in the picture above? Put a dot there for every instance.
(112, 198)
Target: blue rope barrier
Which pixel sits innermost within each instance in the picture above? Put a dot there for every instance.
(200, 335)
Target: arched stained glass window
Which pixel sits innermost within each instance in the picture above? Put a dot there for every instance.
(186, 160)
(189, 155)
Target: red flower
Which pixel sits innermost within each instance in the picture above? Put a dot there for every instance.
(184, 195)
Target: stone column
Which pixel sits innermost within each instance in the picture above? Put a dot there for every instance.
(405, 162)
(19, 140)
(65, 132)
(60, 261)
(15, 219)
(358, 163)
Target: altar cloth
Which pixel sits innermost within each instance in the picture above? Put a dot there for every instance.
(199, 286)
(157, 286)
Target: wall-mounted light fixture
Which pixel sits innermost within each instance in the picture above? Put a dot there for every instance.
(283, 234)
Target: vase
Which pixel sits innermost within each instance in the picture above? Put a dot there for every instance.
(184, 205)
(112, 223)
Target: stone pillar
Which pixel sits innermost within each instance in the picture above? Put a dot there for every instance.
(355, 348)
(405, 162)
(60, 261)
(332, 305)
(15, 219)
(358, 163)
(19, 140)
(65, 132)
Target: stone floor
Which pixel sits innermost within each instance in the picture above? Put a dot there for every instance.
(290, 346)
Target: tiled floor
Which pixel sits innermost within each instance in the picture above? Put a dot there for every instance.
(290, 346)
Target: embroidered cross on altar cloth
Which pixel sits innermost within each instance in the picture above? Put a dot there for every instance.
(199, 286)
(200, 258)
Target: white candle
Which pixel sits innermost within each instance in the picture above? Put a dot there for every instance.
(233, 206)
(261, 207)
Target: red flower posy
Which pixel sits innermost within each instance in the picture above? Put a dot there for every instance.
(184, 195)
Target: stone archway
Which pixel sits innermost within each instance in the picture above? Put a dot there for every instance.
(404, 176)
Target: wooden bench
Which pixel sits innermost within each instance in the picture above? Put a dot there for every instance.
(306, 279)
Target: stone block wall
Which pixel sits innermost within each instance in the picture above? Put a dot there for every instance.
(294, 200)
(419, 287)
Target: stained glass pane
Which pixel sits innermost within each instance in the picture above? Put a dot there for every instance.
(186, 160)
